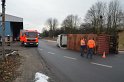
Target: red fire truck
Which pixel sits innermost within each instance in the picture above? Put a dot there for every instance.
(29, 37)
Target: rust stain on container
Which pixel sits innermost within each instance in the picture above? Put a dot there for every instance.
(103, 44)
(71, 41)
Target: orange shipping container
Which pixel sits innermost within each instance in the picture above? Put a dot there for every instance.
(71, 41)
(102, 42)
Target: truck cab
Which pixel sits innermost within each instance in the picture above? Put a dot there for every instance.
(62, 40)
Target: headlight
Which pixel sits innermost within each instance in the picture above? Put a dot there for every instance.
(25, 43)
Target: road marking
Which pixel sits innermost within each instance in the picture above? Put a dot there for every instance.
(101, 65)
(51, 53)
(41, 49)
(70, 58)
(121, 51)
(51, 41)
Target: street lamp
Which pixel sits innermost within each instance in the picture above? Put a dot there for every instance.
(3, 2)
(101, 28)
(101, 17)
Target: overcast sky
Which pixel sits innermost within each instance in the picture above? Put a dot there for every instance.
(36, 12)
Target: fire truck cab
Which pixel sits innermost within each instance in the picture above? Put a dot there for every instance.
(29, 37)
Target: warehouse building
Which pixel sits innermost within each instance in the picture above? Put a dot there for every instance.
(13, 25)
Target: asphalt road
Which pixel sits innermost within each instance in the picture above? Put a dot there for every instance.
(69, 66)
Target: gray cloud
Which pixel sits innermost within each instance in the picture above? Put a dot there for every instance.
(36, 12)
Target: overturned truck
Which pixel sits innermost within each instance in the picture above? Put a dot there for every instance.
(104, 43)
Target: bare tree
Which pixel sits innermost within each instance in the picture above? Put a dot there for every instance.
(70, 24)
(96, 16)
(44, 32)
(101, 16)
(114, 16)
(85, 28)
(55, 24)
(52, 25)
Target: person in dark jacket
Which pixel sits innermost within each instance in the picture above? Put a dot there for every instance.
(83, 46)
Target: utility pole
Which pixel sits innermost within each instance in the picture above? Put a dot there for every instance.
(3, 29)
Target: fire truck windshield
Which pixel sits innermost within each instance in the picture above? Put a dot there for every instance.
(31, 34)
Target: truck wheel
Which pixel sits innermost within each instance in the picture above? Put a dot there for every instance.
(36, 46)
(57, 45)
(25, 45)
(22, 43)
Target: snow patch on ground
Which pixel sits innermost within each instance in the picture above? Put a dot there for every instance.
(39, 77)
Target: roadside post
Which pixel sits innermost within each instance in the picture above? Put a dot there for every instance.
(3, 28)
(8, 40)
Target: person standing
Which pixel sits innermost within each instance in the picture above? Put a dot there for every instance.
(91, 46)
(83, 46)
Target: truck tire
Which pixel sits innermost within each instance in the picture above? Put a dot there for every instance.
(36, 45)
(22, 43)
(57, 45)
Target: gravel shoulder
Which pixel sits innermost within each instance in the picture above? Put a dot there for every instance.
(31, 62)
(30, 65)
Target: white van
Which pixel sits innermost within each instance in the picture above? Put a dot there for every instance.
(62, 40)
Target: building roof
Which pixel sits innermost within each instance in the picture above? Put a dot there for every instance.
(12, 18)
